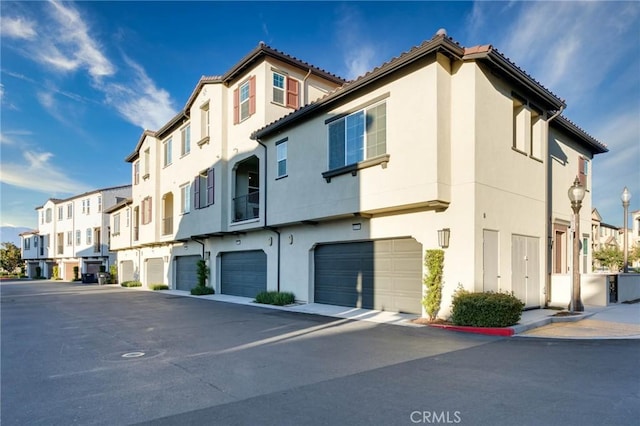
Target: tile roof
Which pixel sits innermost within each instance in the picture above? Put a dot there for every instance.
(596, 146)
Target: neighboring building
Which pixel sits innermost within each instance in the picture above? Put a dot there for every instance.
(72, 232)
(337, 200)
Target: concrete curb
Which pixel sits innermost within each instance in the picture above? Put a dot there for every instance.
(514, 329)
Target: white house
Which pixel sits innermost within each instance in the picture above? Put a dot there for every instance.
(72, 232)
(338, 199)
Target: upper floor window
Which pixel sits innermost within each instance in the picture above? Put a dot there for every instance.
(48, 215)
(147, 163)
(358, 136)
(35, 241)
(583, 170)
(78, 237)
(116, 224)
(185, 140)
(128, 218)
(60, 213)
(88, 236)
(285, 90)
(281, 158)
(136, 172)
(146, 210)
(205, 121)
(203, 186)
(41, 217)
(86, 208)
(166, 152)
(69, 210)
(99, 204)
(185, 198)
(27, 243)
(244, 100)
(69, 238)
(527, 127)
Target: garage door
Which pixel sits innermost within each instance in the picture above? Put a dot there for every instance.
(126, 271)
(382, 274)
(155, 271)
(186, 272)
(243, 273)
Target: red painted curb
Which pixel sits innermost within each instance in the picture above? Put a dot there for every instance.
(491, 331)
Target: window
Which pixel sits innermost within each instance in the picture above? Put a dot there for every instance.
(244, 100)
(86, 206)
(69, 210)
(583, 170)
(358, 136)
(146, 210)
(285, 90)
(281, 158)
(185, 140)
(147, 163)
(69, 238)
(136, 172)
(60, 212)
(278, 88)
(48, 213)
(203, 189)
(185, 198)
(41, 217)
(128, 218)
(35, 241)
(205, 121)
(78, 237)
(27, 244)
(166, 152)
(519, 128)
(116, 224)
(88, 237)
(99, 204)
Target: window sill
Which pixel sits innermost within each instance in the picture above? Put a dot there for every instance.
(353, 168)
(519, 151)
(282, 177)
(203, 141)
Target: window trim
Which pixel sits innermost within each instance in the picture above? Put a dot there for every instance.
(167, 154)
(355, 167)
(286, 158)
(185, 148)
(185, 198)
(283, 89)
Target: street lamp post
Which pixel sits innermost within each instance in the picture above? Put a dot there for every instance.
(576, 195)
(625, 197)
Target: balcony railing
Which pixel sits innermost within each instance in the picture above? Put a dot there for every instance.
(60, 250)
(246, 206)
(96, 248)
(167, 225)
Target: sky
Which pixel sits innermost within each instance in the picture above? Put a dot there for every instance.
(79, 82)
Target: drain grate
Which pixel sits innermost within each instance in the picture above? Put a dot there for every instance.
(133, 355)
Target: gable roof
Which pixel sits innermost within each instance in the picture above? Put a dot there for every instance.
(136, 152)
(439, 43)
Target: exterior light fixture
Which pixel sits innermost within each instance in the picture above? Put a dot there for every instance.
(576, 195)
(443, 237)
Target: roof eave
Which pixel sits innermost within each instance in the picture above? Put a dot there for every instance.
(594, 145)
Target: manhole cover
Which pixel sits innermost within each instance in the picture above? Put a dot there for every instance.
(133, 355)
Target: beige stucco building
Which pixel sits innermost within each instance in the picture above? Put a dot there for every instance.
(295, 180)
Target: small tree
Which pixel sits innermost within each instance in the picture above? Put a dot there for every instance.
(434, 261)
(56, 272)
(609, 257)
(203, 273)
(10, 257)
(76, 270)
(113, 271)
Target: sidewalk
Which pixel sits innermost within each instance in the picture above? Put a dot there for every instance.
(619, 321)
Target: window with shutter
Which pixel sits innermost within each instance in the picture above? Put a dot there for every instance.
(210, 183)
(196, 192)
(582, 169)
(292, 93)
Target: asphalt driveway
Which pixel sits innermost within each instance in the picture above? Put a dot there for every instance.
(78, 354)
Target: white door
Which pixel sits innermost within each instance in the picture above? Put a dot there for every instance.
(525, 269)
(490, 268)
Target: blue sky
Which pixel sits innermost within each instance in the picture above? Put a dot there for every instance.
(80, 81)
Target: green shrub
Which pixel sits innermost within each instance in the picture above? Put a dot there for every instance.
(203, 272)
(202, 290)
(131, 284)
(76, 275)
(56, 272)
(275, 298)
(486, 309)
(434, 261)
(103, 268)
(113, 274)
(159, 287)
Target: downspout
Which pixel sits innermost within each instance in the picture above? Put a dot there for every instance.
(549, 213)
(201, 243)
(304, 85)
(266, 224)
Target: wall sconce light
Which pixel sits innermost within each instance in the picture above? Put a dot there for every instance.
(186, 246)
(290, 238)
(356, 226)
(270, 241)
(207, 255)
(238, 242)
(443, 237)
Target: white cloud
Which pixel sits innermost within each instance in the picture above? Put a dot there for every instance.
(140, 102)
(39, 173)
(7, 137)
(358, 52)
(19, 28)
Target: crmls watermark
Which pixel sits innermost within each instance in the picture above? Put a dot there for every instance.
(436, 417)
